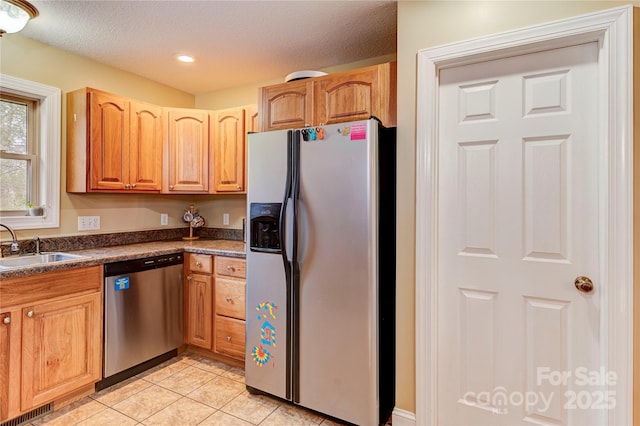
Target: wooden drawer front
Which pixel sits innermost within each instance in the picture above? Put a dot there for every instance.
(230, 337)
(200, 263)
(48, 285)
(230, 298)
(231, 266)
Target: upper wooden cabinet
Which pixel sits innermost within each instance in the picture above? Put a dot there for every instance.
(229, 135)
(286, 105)
(251, 116)
(335, 98)
(356, 95)
(114, 144)
(117, 144)
(229, 128)
(186, 151)
(145, 152)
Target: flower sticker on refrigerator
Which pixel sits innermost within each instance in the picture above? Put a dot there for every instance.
(260, 355)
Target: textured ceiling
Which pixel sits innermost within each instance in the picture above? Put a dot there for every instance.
(234, 42)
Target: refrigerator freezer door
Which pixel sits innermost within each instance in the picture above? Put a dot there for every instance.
(266, 340)
(338, 285)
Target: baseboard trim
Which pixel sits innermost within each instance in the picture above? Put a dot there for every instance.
(403, 418)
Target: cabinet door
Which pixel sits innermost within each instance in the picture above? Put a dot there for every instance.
(187, 151)
(228, 150)
(145, 169)
(9, 356)
(61, 348)
(286, 106)
(252, 125)
(109, 141)
(346, 96)
(5, 344)
(251, 119)
(200, 320)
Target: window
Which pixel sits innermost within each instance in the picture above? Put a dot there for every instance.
(29, 152)
(19, 143)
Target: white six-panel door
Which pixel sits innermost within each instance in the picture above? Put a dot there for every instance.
(499, 327)
(518, 222)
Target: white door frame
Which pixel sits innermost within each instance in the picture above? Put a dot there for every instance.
(613, 30)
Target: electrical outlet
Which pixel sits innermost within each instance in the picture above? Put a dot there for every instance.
(88, 223)
(225, 219)
(164, 219)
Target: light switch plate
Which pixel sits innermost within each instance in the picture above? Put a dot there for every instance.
(225, 219)
(164, 219)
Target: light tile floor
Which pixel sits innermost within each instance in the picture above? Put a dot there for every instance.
(186, 390)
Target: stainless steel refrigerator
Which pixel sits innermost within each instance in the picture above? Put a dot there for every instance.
(321, 269)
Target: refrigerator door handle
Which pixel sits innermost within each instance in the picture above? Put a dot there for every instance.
(295, 285)
(282, 224)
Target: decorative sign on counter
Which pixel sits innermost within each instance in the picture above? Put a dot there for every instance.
(193, 218)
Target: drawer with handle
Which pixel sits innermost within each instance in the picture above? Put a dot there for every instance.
(200, 263)
(230, 298)
(231, 266)
(230, 337)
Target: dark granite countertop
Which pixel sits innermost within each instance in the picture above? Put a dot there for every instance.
(98, 256)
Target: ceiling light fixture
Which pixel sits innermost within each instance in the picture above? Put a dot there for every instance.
(185, 58)
(14, 15)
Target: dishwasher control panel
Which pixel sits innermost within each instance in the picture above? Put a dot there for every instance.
(144, 264)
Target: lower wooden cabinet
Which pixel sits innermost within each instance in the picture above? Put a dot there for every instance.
(215, 305)
(200, 318)
(61, 344)
(198, 293)
(50, 337)
(230, 283)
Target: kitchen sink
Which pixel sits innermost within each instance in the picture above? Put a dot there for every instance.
(36, 259)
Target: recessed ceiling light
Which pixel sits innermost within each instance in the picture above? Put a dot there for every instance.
(185, 58)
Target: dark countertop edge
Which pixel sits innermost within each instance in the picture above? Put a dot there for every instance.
(100, 256)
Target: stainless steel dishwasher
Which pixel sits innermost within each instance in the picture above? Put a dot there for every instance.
(143, 320)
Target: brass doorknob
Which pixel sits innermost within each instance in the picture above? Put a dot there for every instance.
(584, 284)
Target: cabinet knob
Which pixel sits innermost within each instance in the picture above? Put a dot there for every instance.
(170, 187)
(189, 277)
(228, 299)
(133, 185)
(230, 268)
(198, 263)
(30, 314)
(228, 338)
(238, 187)
(127, 186)
(7, 320)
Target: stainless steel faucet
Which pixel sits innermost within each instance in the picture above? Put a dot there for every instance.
(36, 240)
(15, 248)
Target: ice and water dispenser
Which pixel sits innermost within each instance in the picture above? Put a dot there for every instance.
(264, 223)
